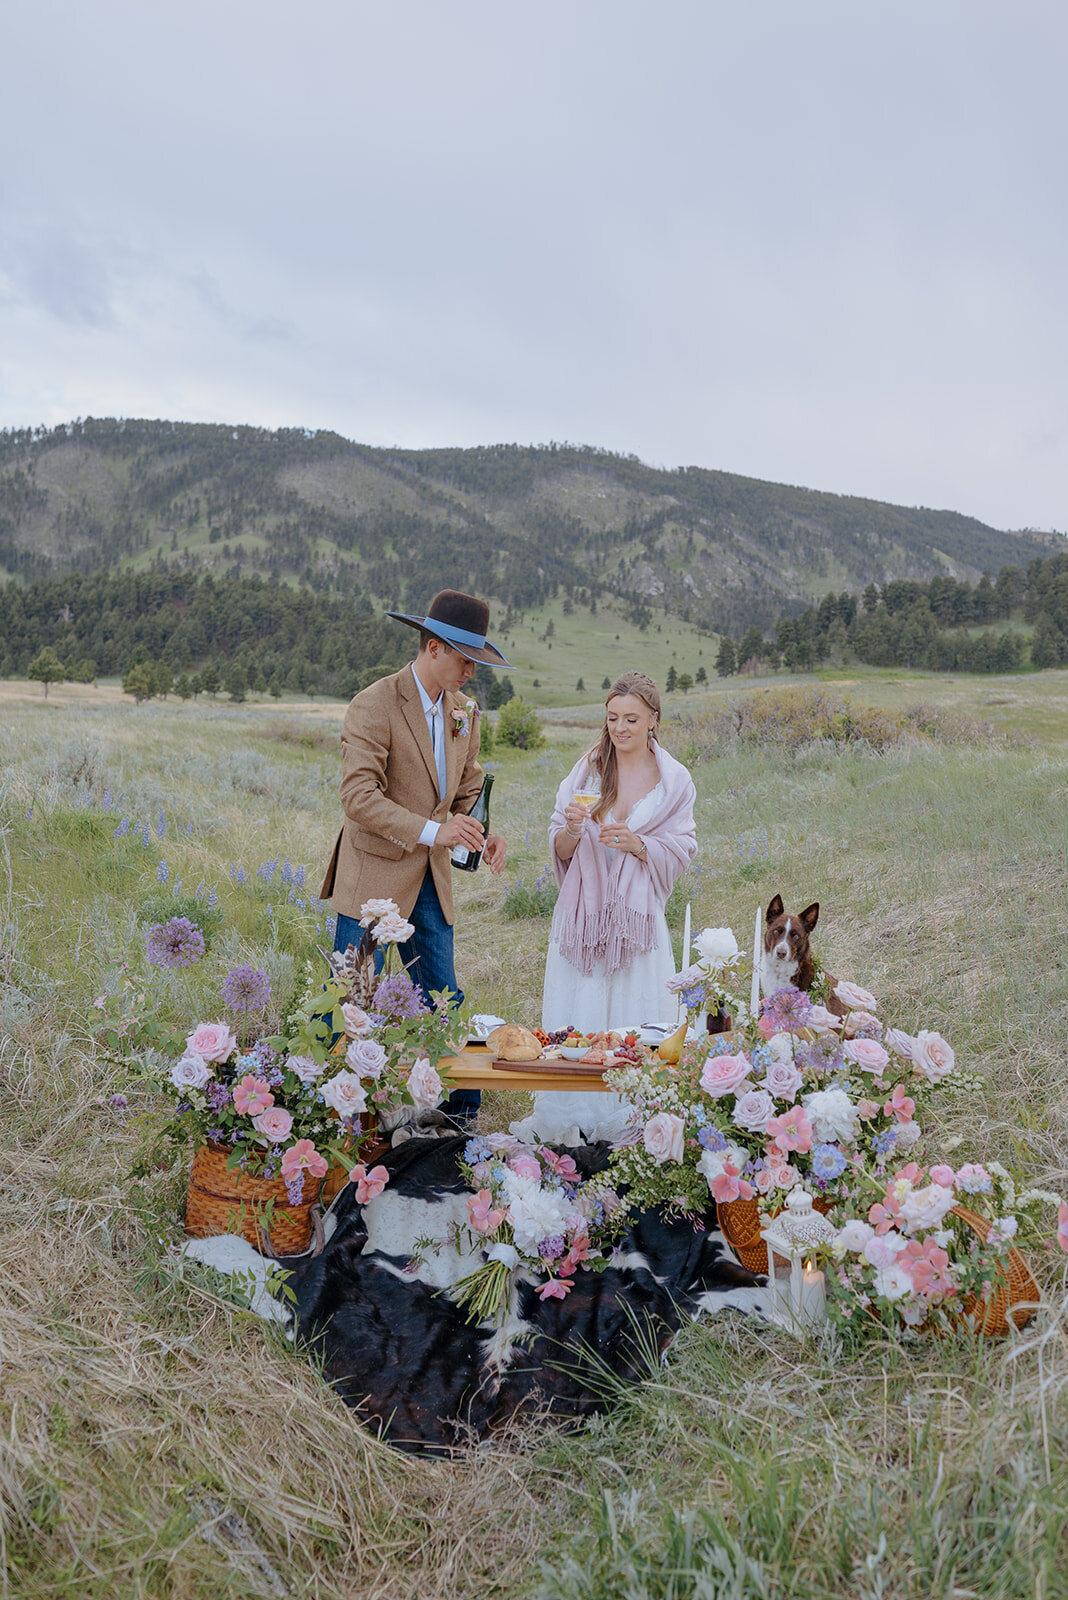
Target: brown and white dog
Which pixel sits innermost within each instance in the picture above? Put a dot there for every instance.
(787, 955)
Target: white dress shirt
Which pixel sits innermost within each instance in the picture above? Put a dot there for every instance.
(434, 711)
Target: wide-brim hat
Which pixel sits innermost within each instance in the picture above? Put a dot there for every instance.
(458, 620)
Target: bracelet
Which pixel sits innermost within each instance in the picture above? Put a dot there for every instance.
(643, 852)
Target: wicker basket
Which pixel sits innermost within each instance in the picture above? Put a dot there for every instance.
(740, 1222)
(1015, 1298)
(232, 1202)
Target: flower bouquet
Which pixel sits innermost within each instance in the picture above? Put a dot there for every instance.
(530, 1212)
(936, 1251)
(704, 988)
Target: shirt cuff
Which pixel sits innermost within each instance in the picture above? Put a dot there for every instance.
(429, 833)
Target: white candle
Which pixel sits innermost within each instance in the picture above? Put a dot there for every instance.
(685, 953)
(754, 991)
(813, 1308)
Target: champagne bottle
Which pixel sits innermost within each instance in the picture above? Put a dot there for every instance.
(468, 860)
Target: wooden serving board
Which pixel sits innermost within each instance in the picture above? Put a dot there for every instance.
(552, 1069)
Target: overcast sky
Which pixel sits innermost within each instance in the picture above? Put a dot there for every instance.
(820, 241)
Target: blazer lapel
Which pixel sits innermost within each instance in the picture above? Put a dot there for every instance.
(416, 720)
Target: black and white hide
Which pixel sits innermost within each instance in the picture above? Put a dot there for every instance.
(373, 1309)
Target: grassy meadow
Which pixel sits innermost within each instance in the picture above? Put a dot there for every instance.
(156, 1440)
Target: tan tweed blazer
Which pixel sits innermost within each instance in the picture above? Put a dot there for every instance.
(389, 787)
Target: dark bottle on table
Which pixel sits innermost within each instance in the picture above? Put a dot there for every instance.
(462, 858)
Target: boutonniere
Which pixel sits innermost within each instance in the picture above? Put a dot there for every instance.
(461, 720)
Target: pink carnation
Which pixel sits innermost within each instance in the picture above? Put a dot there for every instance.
(721, 1075)
(252, 1095)
(303, 1157)
(276, 1124)
(212, 1040)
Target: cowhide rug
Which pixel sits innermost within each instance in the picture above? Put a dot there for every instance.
(371, 1308)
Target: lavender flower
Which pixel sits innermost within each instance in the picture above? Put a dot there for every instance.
(246, 989)
(217, 1095)
(398, 997)
(176, 943)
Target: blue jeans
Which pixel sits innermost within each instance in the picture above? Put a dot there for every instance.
(430, 952)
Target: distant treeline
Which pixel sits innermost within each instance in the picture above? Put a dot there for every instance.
(930, 625)
(98, 625)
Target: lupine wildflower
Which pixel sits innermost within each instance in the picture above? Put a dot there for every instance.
(161, 872)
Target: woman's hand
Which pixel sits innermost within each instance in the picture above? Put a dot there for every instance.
(617, 836)
(575, 817)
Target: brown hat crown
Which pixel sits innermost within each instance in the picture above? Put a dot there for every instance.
(459, 620)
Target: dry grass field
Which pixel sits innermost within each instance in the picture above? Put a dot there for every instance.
(156, 1440)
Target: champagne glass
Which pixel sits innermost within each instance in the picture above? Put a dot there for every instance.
(589, 794)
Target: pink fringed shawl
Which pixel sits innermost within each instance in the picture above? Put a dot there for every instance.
(606, 912)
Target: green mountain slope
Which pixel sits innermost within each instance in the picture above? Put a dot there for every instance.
(525, 525)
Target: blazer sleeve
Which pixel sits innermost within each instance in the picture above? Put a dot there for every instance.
(365, 747)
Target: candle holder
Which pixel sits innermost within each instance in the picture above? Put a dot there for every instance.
(799, 1295)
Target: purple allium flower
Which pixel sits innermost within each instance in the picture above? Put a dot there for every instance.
(246, 989)
(787, 1007)
(177, 943)
(398, 997)
(551, 1249)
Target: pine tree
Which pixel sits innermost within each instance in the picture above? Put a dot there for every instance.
(46, 668)
(672, 679)
(726, 660)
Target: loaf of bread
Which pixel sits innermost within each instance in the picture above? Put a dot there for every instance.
(513, 1043)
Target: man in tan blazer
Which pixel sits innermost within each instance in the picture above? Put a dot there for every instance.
(409, 776)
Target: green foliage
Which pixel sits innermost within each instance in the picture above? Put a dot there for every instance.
(161, 907)
(46, 668)
(518, 725)
(531, 900)
(137, 681)
(726, 661)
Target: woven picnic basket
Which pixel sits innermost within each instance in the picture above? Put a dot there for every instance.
(1016, 1294)
(740, 1221)
(233, 1202)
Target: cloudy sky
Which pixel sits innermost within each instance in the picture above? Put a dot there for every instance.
(817, 241)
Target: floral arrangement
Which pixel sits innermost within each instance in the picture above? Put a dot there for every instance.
(461, 720)
(289, 1104)
(909, 1259)
(531, 1212)
(804, 1096)
(703, 986)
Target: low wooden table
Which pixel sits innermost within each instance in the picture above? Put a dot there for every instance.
(471, 1069)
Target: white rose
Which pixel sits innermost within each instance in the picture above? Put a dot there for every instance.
(191, 1072)
(717, 946)
(892, 1283)
(366, 1057)
(753, 1111)
(357, 1022)
(855, 1234)
(906, 1134)
(925, 1208)
(822, 1020)
(392, 929)
(371, 910)
(425, 1086)
(306, 1068)
(900, 1042)
(932, 1057)
(345, 1094)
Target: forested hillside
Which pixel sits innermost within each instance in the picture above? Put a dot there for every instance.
(522, 524)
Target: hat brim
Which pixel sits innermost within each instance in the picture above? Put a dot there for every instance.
(487, 653)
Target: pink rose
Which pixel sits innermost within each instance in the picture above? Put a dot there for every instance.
(943, 1176)
(424, 1085)
(932, 1057)
(883, 1251)
(371, 910)
(303, 1157)
(822, 1020)
(853, 997)
(524, 1164)
(212, 1040)
(252, 1095)
(753, 1110)
(275, 1124)
(900, 1042)
(663, 1137)
(868, 1054)
(721, 1075)
(764, 1179)
(345, 1094)
(782, 1080)
(357, 1022)
(392, 929)
(366, 1057)
(855, 1234)
(785, 1176)
(862, 1022)
(368, 1184)
(306, 1068)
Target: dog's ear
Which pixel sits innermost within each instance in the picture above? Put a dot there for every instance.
(775, 909)
(810, 916)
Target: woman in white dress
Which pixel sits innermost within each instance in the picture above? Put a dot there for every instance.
(621, 833)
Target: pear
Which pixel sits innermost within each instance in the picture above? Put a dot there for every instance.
(671, 1049)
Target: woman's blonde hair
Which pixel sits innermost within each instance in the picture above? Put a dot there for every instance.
(602, 756)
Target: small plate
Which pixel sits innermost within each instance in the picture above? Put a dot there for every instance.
(482, 1025)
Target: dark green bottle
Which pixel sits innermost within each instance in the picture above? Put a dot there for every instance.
(462, 858)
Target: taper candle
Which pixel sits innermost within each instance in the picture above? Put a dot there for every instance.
(754, 989)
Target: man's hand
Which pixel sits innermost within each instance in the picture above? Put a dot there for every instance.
(462, 830)
(495, 852)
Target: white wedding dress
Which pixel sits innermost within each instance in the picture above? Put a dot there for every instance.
(621, 1000)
